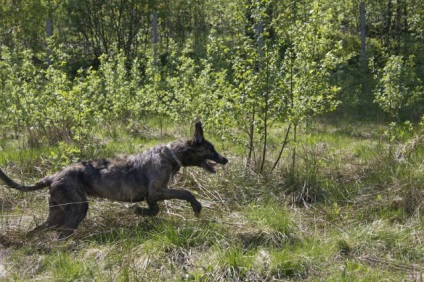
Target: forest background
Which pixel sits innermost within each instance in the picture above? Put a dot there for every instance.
(275, 82)
(244, 64)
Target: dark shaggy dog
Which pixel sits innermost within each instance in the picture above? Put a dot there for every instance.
(135, 178)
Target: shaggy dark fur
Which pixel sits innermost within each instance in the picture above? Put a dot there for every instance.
(139, 177)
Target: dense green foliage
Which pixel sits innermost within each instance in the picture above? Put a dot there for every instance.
(243, 64)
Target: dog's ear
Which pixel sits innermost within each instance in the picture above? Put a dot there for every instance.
(198, 133)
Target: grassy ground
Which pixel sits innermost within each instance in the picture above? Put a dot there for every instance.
(351, 211)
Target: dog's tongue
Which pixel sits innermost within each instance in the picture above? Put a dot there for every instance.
(211, 166)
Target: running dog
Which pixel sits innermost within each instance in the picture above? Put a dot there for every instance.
(135, 178)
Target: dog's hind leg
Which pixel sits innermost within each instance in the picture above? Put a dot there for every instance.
(67, 208)
(75, 213)
(37, 229)
(54, 221)
(75, 209)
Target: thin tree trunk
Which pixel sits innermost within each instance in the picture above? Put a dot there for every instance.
(294, 148)
(155, 37)
(363, 35)
(283, 146)
(251, 135)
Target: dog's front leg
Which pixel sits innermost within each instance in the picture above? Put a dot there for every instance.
(152, 210)
(180, 194)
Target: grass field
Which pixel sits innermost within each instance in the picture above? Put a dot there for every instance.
(351, 210)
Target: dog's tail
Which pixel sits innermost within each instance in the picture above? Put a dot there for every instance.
(24, 188)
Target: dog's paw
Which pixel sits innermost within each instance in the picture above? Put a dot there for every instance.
(197, 207)
(137, 210)
(144, 211)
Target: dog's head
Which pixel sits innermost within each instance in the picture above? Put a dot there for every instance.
(203, 153)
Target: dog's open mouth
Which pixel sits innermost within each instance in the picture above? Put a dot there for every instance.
(209, 166)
